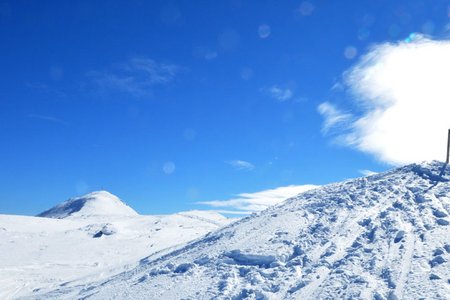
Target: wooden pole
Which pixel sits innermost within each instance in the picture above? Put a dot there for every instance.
(448, 147)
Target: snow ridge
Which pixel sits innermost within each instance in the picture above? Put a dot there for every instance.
(385, 236)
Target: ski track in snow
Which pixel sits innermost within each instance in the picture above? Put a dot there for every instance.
(385, 236)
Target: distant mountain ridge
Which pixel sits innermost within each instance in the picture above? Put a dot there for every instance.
(99, 203)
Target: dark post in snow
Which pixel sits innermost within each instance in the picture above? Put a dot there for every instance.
(448, 147)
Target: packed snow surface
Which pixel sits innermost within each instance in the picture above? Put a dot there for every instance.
(385, 236)
(98, 239)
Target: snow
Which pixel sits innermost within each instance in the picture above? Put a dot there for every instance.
(385, 236)
(104, 237)
(92, 204)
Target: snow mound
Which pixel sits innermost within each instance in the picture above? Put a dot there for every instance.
(386, 236)
(100, 203)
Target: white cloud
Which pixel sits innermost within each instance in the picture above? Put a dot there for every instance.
(241, 164)
(403, 92)
(332, 116)
(281, 94)
(367, 172)
(229, 212)
(137, 76)
(251, 202)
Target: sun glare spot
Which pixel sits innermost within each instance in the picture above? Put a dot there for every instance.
(264, 31)
(168, 168)
(350, 52)
(306, 8)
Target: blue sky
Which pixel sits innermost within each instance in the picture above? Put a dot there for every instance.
(169, 103)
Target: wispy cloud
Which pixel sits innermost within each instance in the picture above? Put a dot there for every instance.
(246, 203)
(205, 53)
(137, 76)
(367, 172)
(279, 93)
(241, 164)
(47, 118)
(332, 116)
(403, 93)
(48, 90)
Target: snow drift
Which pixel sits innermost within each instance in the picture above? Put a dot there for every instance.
(384, 236)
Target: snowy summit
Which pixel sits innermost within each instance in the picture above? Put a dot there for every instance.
(100, 203)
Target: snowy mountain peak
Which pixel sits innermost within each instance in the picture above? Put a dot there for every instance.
(99, 203)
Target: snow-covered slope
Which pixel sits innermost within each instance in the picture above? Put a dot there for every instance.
(93, 204)
(386, 236)
(42, 254)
